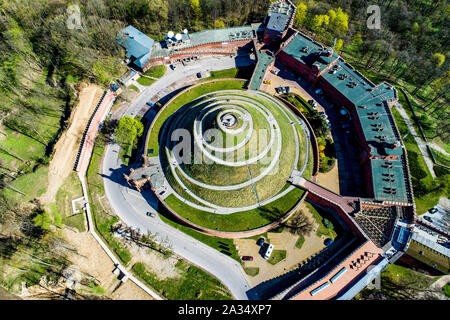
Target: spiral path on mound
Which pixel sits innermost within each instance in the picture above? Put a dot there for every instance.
(237, 116)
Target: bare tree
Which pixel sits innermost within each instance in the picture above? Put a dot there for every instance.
(300, 224)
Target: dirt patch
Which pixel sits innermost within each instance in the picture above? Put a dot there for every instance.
(281, 241)
(163, 267)
(67, 146)
(93, 261)
(330, 180)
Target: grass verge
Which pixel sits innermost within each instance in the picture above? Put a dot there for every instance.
(193, 283)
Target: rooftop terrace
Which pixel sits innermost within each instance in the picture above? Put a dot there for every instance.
(208, 36)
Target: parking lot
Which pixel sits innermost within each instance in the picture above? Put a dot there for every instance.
(281, 241)
(437, 219)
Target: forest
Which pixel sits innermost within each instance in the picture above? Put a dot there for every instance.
(43, 61)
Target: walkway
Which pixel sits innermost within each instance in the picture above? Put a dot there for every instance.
(422, 145)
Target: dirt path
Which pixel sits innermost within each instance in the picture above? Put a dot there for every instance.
(66, 148)
(419, 141)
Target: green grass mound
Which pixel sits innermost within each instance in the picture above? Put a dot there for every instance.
(228, 153)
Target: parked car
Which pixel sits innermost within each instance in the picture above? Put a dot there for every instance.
(199, 75)
(433, 210)
(260, 242)
(312, 103)
(274, 71)
(268, 251)
(328, 241)
(323, 115)
(151, 214)
(173, 67)
(247, 258)
(277, 90)
(288, 89)
(428, 218)
(150, 104)
(347, 125)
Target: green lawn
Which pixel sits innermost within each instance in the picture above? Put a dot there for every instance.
(446, 290)
(145, 81)
(156, 71)
(133, 87)
(277, 256)
(322, 230)
(252, 271)
(395, 276)
(239, 221)
(69, 190)
(226, 246)
(193, 283)
(417, 165)
(241, 73)
(33, 184)
(300, 242)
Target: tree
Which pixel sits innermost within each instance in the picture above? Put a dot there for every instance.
(339, 44)
(300, 15)
(300, 224)
(128, 131)
(357, 39)
(340, 21)
(195, 6)
(219, 24)
(319, 22)
(438, 59)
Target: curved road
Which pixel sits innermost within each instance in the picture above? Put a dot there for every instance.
(131, 205)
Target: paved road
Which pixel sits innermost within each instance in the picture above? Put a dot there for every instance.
(131, 205)
(105, 247)
(422, 145)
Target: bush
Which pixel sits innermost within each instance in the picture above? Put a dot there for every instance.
(327, 223)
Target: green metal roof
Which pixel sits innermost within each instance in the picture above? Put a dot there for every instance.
(308, 52)
(264, 59)
(137, 45)
(208, 36)
(376, 120)
(388, 174)
(370, 102)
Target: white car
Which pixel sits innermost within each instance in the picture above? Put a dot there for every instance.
(268, 251)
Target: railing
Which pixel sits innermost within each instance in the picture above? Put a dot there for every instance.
(80, 149)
